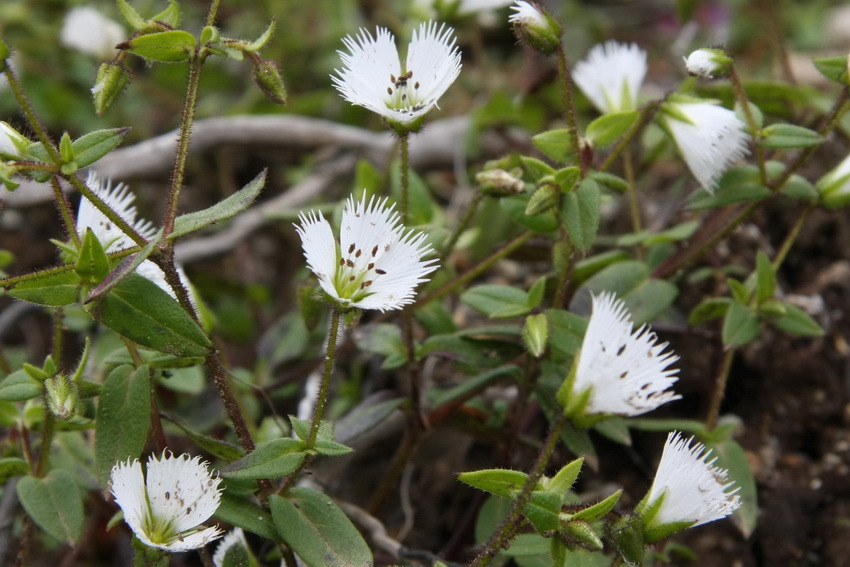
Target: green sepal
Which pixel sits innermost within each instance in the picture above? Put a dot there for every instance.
(261, 41)
(663, 531)
(90, 147)
(628, 539)
(92, 263)
(133, 18)
(36, 373)
(583, 532)
(141, 311)
(235, 203)
(595, 512)
(543, 199)
(66, 150)
(111, 80)
(535, 333)
(266, 76)
(565, 478)
(168, 46)
(272, 459)
(608, 128)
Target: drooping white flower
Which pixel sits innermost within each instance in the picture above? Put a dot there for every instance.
(611, 75)
(534, 26)
(90, 32)
(692, 489)
(166, 506)
(834, 187)
(375, 264)
(235, 537)
(373, 76)
(526, 13)
(710, 138)
(708, 63)
(626, 372)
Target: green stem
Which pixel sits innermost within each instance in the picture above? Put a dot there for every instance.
(405, 176)
(479, 268)
(565, 268)
(231, 405)
(634, 206)
(65, 210)
(503, 535)
(743, 99)
(569, 107)
(719, 389)
(646, 114)
(449, 247)
(322, 397)
(792, 237)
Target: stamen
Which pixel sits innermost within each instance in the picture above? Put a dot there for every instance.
(374, 250)
(380, 272)
(389, 90)
(358, 253)
(370, 266)
(341, 262)
(351, 248)
(349, 263)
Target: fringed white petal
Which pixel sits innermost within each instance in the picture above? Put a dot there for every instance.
(611, 76)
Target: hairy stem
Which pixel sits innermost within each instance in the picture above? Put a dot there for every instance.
(404, 140)
(322, 397)
(569, 106)
(744, 101)
(449, 247)
(719, 389)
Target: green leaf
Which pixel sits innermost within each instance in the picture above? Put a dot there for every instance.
(11, 467)
(566, 331)
(497, 301)
(740, 325)
(740, 292)
(263, 39)
(798, 187)
(738, 185)
(318, 531)
(789, 136)
(55, 504)
(581, 212)
(608, 128)
(599, 509)
(271, 459)
(331, 448)
(710, 308)
(797, 322)
(92, 146)
(564, 479)
(610, 181)
(170, 16)
(515, 206)
(833, 68)
(55, 287)
(92, 264)
(242, 512)
(471, 386)
(133, 18)
(731, 456)
(168, 46)
(500, 482)
(765, 278)
(238, 202)
(215, 447)
(383, 339)
(536, 168)
(19, 387)
(123, 418)
(141, 311)
(543, 511)
(555, 144)
(616, 429)
(364, 419)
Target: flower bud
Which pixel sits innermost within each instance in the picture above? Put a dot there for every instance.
(535, 333)
(499, 183)
(12, 142)
(267, 77)
(534, 26)
(61, 396)
(111, 80)
(709, 63)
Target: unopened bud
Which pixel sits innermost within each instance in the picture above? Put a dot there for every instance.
(267, 78)
(111, 80)
(709, 63)
(12, 142)
(543, 199)
(535, 333)
(61, 396)
(499, 183)
(534, 26)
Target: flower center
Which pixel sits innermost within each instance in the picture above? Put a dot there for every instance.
(404, 93)
(356, 271)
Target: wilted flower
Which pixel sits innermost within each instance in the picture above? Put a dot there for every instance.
(373, 76)
(611, 75)
(710, 138)
(375, 264)
(619, 370)
(535, 26)
(834, 187)
(688, 490)
(234, 538)
(708, 63)
(166, 507)
(87, 30)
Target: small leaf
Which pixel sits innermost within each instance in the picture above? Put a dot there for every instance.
(242, 512)
(318, 531)
(55, 287)
(536, 168)
(737, 185)
(608, 128)
(331, 448)
(740, 325)
(168, 46)
(797, 322)
(515, 206)
(141, 311)
(271, 459)
(238, 202)
(565, 478)
(610, 181)
(133, 18)
(497, 301)
(710, 308)
(11, 467)
(833, 68)
(92, 264)
(543, 511)
(263, 39)
(92, 146)
(555, 144)
(365, 418)
(215, 447)
(566, 331)
(765, 278)
(55, 504)
(123, 417)
(499, 482)
(599, 509)
(19, 387)
(581, 212)
(789, 136)
(170, 16)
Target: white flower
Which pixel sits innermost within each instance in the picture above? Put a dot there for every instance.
(693, 490)
(710, 138)
(611, 75)
(527, 14)
(234, 537)
(708, 63)
(87, 30)
(625, 370)
(166, 509)
(372, 75)
(375, 265)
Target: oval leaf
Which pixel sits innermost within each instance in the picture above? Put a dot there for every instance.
(54, 503)
(497, 300)
(608, 128)
(272, 459)
(92, 146)
(788, 136)
(225, 209)
(123, 416)
(55, 287)
(172, 45)
(580, 212)
(318, 531)
(19, 387)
